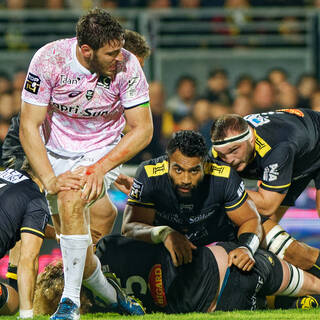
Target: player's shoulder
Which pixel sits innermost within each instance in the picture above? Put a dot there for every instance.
(217, 168)
(154, 167)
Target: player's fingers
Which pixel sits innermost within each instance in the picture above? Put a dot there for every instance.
(173, 257)
(179, 256)
(187, 255)
(231, 257)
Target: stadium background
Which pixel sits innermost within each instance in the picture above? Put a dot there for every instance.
(225, 51)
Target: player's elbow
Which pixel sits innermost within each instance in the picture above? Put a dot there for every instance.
(148, 133)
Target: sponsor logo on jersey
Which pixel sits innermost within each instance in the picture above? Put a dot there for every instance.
(89, 112)
(156, 286)
(217, 170)
(271, 172)
(65, 80)
(296, 112)
(257, 120)
(136, 190)
(157, 170)
(12, 176)
(74, 94)
(261, 146)
(240, 190)
(32, 83)
(104, 82)
(89, 94)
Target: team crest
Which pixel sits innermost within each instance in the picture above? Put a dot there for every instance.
(136, 190)
(89, 95)
(32, 83)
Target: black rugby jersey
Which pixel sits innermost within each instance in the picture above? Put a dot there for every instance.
(287, 147)
(146, 270)
(23, 208)
(11, 145)
(202, 217)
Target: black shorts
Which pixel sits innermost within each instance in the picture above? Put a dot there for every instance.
(242, 288)
(297, 187)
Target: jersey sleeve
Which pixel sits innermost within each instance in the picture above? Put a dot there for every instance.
(235, 193)
(141, 191)
(38, 84)
(277, 169)
(134, 89)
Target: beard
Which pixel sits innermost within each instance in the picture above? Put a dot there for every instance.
(95, 66)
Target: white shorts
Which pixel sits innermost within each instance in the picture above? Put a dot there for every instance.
(61, 164)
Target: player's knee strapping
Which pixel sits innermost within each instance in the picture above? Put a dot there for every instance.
(295, 282)
(12, 277)
(277, 241)
(3, 295)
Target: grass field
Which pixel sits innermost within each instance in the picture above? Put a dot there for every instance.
(312, 314)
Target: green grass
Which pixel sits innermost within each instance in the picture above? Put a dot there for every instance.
(235, 315)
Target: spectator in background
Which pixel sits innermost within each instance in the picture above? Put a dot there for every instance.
(264, 96)
(189, 4)
(158, 4)
(276, 76)
(5, 83)
(307, 85)
(163, 124)
(242, 105)
(315, 101)
(6, 105)
(244, 85)
(17, 85)
(218, 87)
(181, 104)
(287, 95)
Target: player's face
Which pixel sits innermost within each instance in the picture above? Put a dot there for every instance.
(104, 60)
(238, 154)
(185, 172)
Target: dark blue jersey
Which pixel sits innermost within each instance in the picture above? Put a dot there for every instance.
(287, 148)
(202, 217)
(23, 208)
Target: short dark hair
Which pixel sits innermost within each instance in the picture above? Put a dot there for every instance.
(225, 123)
(98, 28)
(136, 44)
(189, 143)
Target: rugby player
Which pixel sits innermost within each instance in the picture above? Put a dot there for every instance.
(78, 95)
(207, 284)
(280, 148)
(23, 215)
(183, 201)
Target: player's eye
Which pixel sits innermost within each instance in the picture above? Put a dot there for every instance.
(178, 170)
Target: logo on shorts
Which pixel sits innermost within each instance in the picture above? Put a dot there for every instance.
(89, 95)
(156, 286)
(136, 190)
(32, 83)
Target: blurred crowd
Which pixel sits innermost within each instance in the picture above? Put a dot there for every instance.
(153, 4)
(191, 107)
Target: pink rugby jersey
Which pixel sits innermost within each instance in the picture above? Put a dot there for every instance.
(85, 111)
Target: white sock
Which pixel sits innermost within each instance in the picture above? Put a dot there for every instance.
(25, 314)
(99, 285)
(74, 251)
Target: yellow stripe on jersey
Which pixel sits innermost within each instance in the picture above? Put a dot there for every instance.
(261, 146)
(145, 203)
(11, 275)
(217, 170)
(276, 187)
(234, 205)
(214, 153)
(157, 169)
(33, 230)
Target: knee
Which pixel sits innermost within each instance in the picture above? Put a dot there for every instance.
(70, 201)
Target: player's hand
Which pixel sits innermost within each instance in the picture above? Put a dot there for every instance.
(123, 183)
(64, 181)
(179, 247)
(94, 176)
(242, 258)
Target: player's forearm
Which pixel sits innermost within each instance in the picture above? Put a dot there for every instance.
(36, 152)
(252, 225)
(132, 143)
(138, 231)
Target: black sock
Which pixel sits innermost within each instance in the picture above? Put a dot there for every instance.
(305, 302)
(12, 277)
(315, 269)
(3, 295)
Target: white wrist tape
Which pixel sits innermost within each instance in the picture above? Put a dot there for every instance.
(159, 234)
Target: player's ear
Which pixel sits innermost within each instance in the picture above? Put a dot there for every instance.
(86, 50)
